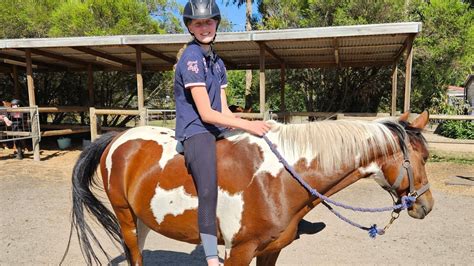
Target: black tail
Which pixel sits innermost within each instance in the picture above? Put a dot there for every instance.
(84, 199)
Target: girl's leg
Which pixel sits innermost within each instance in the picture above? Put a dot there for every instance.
(200, 156)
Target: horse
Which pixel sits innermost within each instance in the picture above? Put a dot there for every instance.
(239, 109)
(259, 203)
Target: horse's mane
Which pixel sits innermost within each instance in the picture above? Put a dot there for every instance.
(337, 143)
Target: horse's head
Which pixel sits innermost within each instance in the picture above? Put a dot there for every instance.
(405, 173)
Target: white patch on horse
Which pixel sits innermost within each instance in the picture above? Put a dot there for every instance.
(176, 201)
(229, 211)
(162, 136)
(374, 170)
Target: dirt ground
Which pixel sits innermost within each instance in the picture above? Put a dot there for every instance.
(35, 207)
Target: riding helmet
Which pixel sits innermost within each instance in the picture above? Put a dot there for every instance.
(16, 102)
(201, 9)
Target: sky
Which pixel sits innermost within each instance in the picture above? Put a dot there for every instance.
(235, 15)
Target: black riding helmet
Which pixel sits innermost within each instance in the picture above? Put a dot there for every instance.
(16, 102)
(201, 9)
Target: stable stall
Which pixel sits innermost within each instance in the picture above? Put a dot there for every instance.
(328, 47)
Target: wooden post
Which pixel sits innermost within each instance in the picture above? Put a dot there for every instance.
(16, 85)
(282, 87)
(32, 103)
(262, 79)
(90, 85)
(141, 99)
(394, 90)
(29, 79)
(93, 121)
(409, 59)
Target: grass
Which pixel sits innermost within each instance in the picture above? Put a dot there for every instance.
(461, 158)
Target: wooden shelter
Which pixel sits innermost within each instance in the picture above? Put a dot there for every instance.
(328, 47)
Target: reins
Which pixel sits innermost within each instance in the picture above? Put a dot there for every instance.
(405, 201)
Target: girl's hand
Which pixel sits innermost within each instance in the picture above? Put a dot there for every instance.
(258, 128)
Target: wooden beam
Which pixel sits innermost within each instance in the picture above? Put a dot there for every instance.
(156, 54)
(32, 103)
(141, 98)
(262, 78)
(104, 55)
(271, 52)
(336, 51)
(394, 90)
(228, 63)
(408, 41)
(409, 60)
(29, 79)
(93, 123)
(38, 63)
(59, 57)
(61, 132)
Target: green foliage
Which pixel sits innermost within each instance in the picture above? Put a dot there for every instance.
(457, 129)
(64, 18)
(235, 90)
(444, 52)
(25, 18)
(102, 17)
(462, 158)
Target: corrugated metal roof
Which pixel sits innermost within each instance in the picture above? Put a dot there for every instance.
(362, 45)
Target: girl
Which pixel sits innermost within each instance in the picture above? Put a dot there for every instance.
(202, 113)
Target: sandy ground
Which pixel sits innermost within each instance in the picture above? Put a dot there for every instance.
(35, 207)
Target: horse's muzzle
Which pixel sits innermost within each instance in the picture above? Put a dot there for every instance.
(422, 206)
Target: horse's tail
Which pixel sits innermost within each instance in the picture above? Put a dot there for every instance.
(83, 199)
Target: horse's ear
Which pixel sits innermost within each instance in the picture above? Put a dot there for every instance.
(421, 121)
(404, 117)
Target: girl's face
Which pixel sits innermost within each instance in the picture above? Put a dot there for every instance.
(203, 29)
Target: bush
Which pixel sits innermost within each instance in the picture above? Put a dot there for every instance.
(457, 129)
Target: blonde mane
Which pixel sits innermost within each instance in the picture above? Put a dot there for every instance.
(334, 143)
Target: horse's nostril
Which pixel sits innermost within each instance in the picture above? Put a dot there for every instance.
(424, 210)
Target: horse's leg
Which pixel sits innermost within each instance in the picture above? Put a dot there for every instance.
(128, 227)
(241, 254)
(268, 259)
(142, 232)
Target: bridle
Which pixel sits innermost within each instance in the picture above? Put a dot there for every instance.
(405, 169)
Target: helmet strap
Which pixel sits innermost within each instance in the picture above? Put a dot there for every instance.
(202, 43)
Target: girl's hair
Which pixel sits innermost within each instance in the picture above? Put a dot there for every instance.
(179, 54)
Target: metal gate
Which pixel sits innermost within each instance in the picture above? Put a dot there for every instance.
(19, 123)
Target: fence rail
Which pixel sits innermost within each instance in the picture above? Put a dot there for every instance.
(19, 123)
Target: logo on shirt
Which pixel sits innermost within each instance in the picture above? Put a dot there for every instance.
(193, 66)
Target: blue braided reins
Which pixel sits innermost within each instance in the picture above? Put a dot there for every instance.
(406, 201)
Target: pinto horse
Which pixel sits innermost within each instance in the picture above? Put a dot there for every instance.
(259, 203)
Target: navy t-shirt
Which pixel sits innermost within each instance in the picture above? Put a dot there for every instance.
(197, 68)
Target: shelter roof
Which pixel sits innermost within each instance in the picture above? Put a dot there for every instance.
(342, 46)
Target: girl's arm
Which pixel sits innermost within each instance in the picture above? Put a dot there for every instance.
(208, 115)
(225, 107)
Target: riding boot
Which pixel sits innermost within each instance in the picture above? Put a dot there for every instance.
(19, 154)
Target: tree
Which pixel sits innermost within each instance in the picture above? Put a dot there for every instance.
(248, 27)
(443, 53)
(54, 18)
